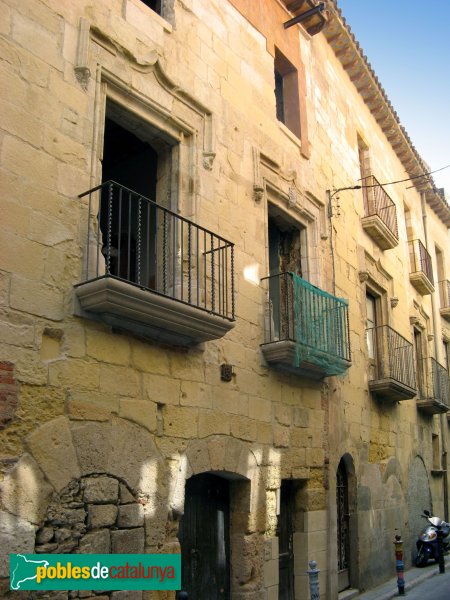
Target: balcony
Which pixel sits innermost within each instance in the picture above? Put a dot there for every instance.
(444, 295)
(433, 387)
(392, 375)
(306, 329)
(152, 272)
(380, 215)
(421, 275)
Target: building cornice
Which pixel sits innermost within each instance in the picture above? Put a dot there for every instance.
(350, 54)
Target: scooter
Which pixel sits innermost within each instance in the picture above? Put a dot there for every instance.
(427, 544)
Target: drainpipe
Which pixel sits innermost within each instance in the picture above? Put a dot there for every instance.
(436, 334)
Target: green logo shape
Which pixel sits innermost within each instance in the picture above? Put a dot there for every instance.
(95, 571)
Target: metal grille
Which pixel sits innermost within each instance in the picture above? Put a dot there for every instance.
(132, 238)
(433, 381)
(342, 518)
(420, 259)
(378, 202)
(393, 354)
(314, 319)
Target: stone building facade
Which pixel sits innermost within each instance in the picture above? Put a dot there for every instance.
(251, 367)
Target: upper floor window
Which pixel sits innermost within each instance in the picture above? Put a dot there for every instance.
(155, 5)
(287, 93)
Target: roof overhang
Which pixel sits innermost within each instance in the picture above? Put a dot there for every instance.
(356, 64)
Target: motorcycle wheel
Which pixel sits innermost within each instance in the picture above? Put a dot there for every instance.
(421, 558)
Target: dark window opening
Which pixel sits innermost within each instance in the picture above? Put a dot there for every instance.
(419, 360)
(279, 96)
(155, 5)
(128, 223)
(287, 98)
(139, 158)
(285, 256)
(371, 323)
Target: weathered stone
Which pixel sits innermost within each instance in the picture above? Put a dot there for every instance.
(138, 467)
(44, 535)
(95, 542)
(16, 536)
(46, 548)
(127, 541)
(127, 595)
(67, 547)
(63, 534)
(126, 497)
(59, 515)
(52, 448)
(92, 443)
(101, 489)
(25, 492)
(131, 515)
(102, 515)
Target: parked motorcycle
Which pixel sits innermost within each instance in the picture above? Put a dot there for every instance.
(427, 544)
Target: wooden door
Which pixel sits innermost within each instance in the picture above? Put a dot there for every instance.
(204, 537)
(285, 540)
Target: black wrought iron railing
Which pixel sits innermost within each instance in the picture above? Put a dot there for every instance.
(393, 355)
(378, 202)
(131, 238)
(310, 317)
(433, 381)
(420, 259)
(444, 293)
(440, 382)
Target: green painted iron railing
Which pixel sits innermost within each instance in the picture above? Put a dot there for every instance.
(314, 319)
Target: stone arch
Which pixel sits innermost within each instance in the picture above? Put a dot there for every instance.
(347, 466)
(233, 460)
(225, 456)
(418, 498)
(63, 452)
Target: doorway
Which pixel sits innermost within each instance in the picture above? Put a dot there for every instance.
(204, 536)
(285, 540)
(343, 528)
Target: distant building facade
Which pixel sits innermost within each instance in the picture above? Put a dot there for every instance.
(224, 331)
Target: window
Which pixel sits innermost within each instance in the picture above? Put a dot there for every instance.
(155, 5)
(365, 172)
(138, 161)
(420, 364)
(287, 97)
(285, 241)
(364, 159)
(285, 256)
(371, 302)
(436, 452)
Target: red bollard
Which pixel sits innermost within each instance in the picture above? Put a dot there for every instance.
(399, 565)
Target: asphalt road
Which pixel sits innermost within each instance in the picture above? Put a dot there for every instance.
(435, 588)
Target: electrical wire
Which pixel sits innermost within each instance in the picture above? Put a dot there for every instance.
(403, 180)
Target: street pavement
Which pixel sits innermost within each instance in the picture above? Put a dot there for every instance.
(420, 584)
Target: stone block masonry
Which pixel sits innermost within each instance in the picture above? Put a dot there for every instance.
(9, 394)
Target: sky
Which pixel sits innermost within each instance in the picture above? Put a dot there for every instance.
(407, 42)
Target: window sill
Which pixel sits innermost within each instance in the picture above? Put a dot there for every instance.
(437, 472)
(289, 134)
(136, 14)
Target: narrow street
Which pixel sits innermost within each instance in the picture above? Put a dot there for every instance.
(437, 587)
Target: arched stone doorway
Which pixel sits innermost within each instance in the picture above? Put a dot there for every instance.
(204, 536)
(221, 510)
(419, 497)
(346, 521)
